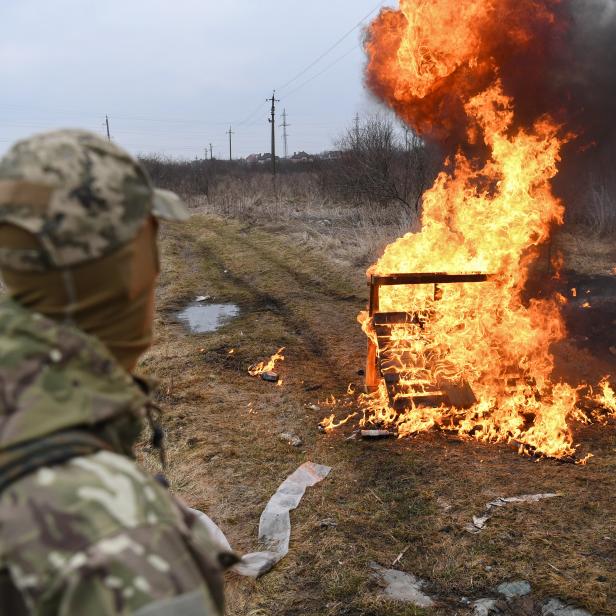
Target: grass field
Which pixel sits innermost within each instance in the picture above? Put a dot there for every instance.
(300, 284)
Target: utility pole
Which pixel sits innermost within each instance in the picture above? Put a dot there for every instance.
(107, 124)
(357, 130)
(230, 133)
(285, 135)
(211, 152)
(272, 121)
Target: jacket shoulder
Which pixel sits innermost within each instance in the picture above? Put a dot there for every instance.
(100, 524)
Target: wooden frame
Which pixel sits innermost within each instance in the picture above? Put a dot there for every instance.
(376, 282)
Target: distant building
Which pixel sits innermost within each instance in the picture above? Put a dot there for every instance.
(331, 155)
(301, 157)
(260, 159)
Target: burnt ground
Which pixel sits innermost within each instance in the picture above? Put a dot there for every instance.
(591, 314)
(382, 498)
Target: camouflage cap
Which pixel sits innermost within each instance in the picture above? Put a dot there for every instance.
(80, 196)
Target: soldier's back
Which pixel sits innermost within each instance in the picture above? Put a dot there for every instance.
(96, 536)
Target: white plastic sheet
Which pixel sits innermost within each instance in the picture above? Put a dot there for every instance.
(275, 523)
(480, 521)
(400, 586)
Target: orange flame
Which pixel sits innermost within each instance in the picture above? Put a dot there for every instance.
(478, 217)
(607, 398)
(267, 366)
(329, 424)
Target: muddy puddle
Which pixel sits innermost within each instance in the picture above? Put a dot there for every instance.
(203, 318)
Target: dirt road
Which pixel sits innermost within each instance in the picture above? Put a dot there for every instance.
(381, 499)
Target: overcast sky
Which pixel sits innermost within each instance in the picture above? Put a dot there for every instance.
(174, 74)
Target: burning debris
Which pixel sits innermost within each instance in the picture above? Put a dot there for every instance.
(453, 341)
(266, 369)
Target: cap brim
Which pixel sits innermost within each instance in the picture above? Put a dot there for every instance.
(168, 206)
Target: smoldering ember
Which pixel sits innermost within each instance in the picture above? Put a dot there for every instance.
(318, 317)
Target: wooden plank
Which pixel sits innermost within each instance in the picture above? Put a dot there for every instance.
(395, 318)
(428, 278)
(460, 395)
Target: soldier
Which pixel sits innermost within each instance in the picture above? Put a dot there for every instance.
(83, 531)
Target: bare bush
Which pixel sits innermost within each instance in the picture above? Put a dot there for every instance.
(601, 210)
(379, 164)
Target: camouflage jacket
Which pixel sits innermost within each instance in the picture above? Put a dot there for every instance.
(94, 534)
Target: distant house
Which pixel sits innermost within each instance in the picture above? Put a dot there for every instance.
(260, 159)
(331, 155)
(301, 157)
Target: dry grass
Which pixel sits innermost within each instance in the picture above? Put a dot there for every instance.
(294, 206)
(297, 274)
(587, 252)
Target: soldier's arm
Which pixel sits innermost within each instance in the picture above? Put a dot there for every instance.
(146, 572)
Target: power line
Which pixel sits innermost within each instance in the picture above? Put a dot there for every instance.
(253, 114)
(330, 49)
(327, 68)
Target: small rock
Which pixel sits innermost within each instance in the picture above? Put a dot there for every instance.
(328, 523)
(555, 607)
(270, 377)
(489, 568)
(400, 586)
(291, 439)
(55, 355)
(485, 607)
(203, 298)
(511, 590)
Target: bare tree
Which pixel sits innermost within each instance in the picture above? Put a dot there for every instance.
(381, 164)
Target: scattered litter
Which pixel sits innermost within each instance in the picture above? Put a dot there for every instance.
(275, 522)
(479, 522)
(555, 607)
(270, 377)
(353, 436)
(485, 607)
(291, 439)
(512, 590)
(376, 434)
(401, 555)
(203, 298)
(313, 407)
(400, 586)
(328, 523)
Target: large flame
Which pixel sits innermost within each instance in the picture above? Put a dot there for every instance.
(436, 63)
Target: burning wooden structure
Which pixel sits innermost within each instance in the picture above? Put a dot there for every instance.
(388, 362)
